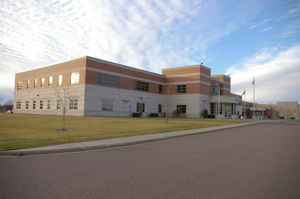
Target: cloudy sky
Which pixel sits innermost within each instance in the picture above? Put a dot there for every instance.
(240, 38)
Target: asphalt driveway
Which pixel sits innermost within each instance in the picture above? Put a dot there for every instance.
(261, 161)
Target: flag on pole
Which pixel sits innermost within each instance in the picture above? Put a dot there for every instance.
(253, 81)
(244, 92)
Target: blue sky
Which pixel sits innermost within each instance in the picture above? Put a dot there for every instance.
(238, 38)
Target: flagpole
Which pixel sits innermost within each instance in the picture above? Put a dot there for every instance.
(254, 96)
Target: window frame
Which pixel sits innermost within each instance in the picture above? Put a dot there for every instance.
(108, 80)
(60, 80)
(141, 86)
(181, 108)
(107, 105)
(75, 78)
(41, 104)
(42, 82)
(73, 104)
(182, 88)
(18, 105)
(140, 107)
(50, 80)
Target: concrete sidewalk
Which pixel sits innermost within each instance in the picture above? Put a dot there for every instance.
(115, 142)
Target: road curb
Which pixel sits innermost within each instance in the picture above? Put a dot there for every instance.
(123, 141)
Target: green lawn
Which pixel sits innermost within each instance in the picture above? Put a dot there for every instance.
(19, 131)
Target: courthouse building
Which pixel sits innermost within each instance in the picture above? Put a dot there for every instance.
(89, 86)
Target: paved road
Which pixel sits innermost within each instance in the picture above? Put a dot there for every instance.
(261, 161)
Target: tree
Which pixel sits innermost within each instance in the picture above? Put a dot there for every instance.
(205, 113)
(61, 100)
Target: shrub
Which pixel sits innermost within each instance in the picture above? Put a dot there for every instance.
(153, 115)
(292, 118)
(281, 117)
(136, 114)
(211, 116)
(205, 113)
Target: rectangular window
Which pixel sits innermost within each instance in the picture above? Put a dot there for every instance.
(181, 108)
(212, 108)
(215, 90)
(73, 105)
(159, 108)
(60, 80)
(58, 104)
(18, 105)
(41, 104)
(140, 107)
(27, 104)
(181, 88)
(49, 104)
(19, 85)
(108, 80)
(75, 78)
(27, 83)
(160, 88)
(50, 81)
(35, 83)
(107, 105)
(42, 82)
(139, 85)
(33, 105)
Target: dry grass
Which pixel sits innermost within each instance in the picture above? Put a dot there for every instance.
(24, 131)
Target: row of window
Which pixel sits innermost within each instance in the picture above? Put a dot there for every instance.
(75, 77)
(111, 80)
(46, 104)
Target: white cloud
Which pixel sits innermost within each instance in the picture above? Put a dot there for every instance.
(277, 75)
(147, 34)
(267, 29)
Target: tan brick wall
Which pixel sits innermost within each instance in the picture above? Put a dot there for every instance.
(125, 83)
(125, 71)
(65, 68)
(186, 70)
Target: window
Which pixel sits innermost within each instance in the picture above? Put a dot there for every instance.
(140, 107)
(75, 78)
(181, 108)
(18, 105)
(27, 104)
(109, 80)
(50, 81)
(19, 85)
(27, 83)
(159, 108)
(60, 80)
(42, 82)
(73, 105)
(41, 104)
(215, 90)
(139, 85)
(58, 104)
(107, 105)
(181, 88)
(35, 83)
(160, 88)
(49, 104)
(33, 105)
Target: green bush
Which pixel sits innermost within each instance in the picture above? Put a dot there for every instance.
(153, 115)
(292, 118)
(205, 113)
(211, 116)
(136, 114)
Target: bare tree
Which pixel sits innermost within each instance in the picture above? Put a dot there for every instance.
(61, 98)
